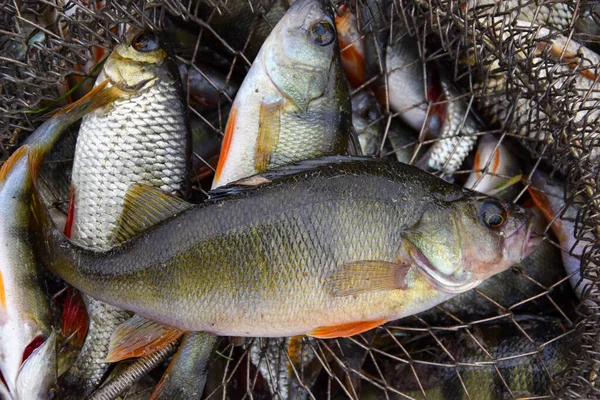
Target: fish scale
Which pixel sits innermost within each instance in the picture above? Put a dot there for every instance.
(140, 138)
(137, 141)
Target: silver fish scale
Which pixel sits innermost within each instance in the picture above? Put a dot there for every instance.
(88, 370)
(143, 140)
(140, 140)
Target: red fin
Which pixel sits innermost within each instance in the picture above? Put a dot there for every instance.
(75, 318)
(10, 163)
(98, 97)
(346, 330)
(353, 63)
(139, 337)
(295, 351)
(269, 127)
(477, 164)
(226, 142)
(70, 213)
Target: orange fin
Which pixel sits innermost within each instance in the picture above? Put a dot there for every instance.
(10, 163)
(75, 318)
(367, 276)
(98, 97)
(138, 337)
(226, 142)
(346, 330)
(269, 125)
(70, 213)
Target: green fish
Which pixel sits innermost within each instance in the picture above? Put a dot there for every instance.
(329, 248)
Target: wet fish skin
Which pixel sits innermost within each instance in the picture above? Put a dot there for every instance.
(294, 102)
(186, 375)
(141, 137)
(26, 341)
(494, 164)
(275, 269)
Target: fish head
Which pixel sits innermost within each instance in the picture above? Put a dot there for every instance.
(38, 374)
(460, 243)
(135, 64)
(301, 56)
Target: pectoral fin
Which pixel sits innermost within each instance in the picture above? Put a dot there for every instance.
(145, 206)
(346, 330)
(138, 337)
(367, 276)
(269, 125)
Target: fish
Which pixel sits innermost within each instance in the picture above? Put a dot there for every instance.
(142, 137)
(294, 102)
(518, 105)
(489, 359)
(186, 375)
(429, 103)
(27, 342)
(493, 166)
(367, 121)
(352, 48)
(548, 195)
(329, 247)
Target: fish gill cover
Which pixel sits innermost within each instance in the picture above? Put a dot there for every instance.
(513, 73)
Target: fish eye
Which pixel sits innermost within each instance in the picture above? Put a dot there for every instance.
(492, 214)
(145, 42)
(322, 33)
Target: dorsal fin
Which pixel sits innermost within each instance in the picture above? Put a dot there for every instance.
(242, 185)
(10, 163)
(145, 206)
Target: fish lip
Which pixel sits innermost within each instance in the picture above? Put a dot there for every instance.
(531, 241)
(444, 283)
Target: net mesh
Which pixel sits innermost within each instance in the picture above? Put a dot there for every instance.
(517, 64)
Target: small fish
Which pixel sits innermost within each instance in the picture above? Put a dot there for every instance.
(494, 165)
(367, 121)
(548, 195)
(411, 85)
(27, 344)
(490, 360)
(329, 248)
(404, 141)
(294, 102)
(352, 51)
(141, 137)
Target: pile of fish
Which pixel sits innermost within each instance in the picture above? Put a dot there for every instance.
(315, 243)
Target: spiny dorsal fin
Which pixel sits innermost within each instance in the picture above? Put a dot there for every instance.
(145, 206)
(283, 171)
(10, 163)
(367, 276)
(138, 337)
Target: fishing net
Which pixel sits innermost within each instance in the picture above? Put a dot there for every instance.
(516, 64)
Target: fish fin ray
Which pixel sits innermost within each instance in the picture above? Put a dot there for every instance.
(226, 145)
(269, 126)
(145, 206)
(98, 97)
(70, 213)
(75, 320)
(138, 337)
(346, 330)
(367, 276)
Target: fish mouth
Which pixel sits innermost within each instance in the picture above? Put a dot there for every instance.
(442, 282)
(531, 242)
